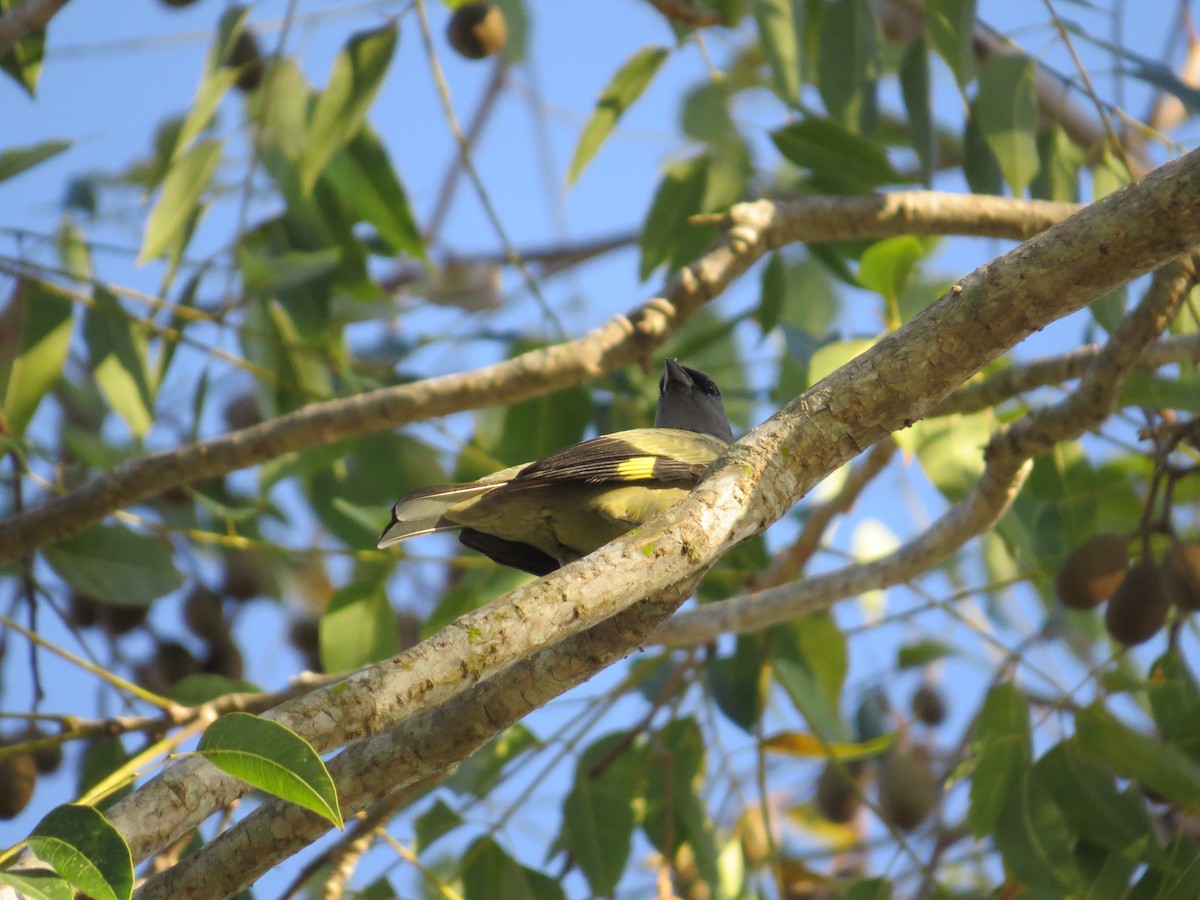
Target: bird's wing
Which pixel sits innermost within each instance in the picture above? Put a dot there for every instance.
(679, 456)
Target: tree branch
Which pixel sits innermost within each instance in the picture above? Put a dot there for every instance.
(1008, 454)
(1128, 233)
(621, 341)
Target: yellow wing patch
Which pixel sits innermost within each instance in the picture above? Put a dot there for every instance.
(636, 468)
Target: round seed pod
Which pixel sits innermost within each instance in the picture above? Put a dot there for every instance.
(928, 704)
(204, 615)
(1091, 572)
(48, 758)
(477, 30)
(837, 798)
(907, 785)
(247, 575)
(1138, 609)
(18, 777)
(1181, 570)
(245, 56)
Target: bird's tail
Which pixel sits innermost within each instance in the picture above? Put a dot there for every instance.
(424, 511)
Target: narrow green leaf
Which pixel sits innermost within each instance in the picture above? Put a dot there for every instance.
(869, 889)
(808, 659)
(436, 821)
(196, 690)
(182, 188)
(598, 823)
(618, 95)
(363, 176)
(18, 159)
(781, 36)
(483, 771)
(1175, 702)
(950, 27)
(81, 845)
(980, 166)
(116, 565)
(358, 627)
(1146, 760)
(774, 290)
(216, 80)
(342, 107)
(45, 337)
(950, 450)
(886, 265)
(38, 884)
(915, 89)
(848, 64)
(736, 682)
(1006, 108)
(1002, 751)
(119, 361)
(680, 194)
(922, 653)
(1059, 162)
(274, 759)
(836, 155)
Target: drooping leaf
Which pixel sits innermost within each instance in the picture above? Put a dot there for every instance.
(1035, 840)
(117, 350)
(781, 36)
(23, 61)
(82, 846)
(915, 89)
(950, 27)
(680, 194)
(358, 627)
(436, 821)
(1002, 750)
(490, 872)
(618, 95)
(44, 331)
(274, 759)
(1007, 113)
(342, 107)
(38, 884)
(840, 159)
(116, 565)
(18, 159)
(848, 64)
(185, 182)
(216, 80)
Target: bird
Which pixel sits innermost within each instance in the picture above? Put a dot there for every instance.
(539, 516)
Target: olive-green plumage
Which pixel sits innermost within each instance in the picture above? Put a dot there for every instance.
(539, 516)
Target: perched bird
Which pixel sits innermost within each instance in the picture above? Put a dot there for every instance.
(542, 515)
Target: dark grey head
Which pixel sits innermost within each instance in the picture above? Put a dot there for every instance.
(690, 400)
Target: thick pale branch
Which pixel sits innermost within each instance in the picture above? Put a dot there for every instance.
(1008, 455)
(621, 341)
(1135, 230)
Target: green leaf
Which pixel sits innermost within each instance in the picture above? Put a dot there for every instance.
(679, 195)
(886, 265)
(489, 872)
(116, 565)
(358, 627)
(186, 180)
(44, 327)
(980, 166)
(436, 821)
(869, 889)
(618, 95)
(268, 275)
(1088, 797)
(848, 64)
(1148, 761)
(1059, 162)
(364, 179)
(1147, 389)
(915, 89)
(809, 660)
(18, 159)
(1006, 108)
(216, 80)
(833, 356)
(82, 846)
(922, 653)
(483, 771)
(38, 884)
(839, 158)
(1002, 752)
(118, 354)
(196, 690)
(23, 61)
(774, 290)
(950, 450)
(950, 27)
(342, 107)
(736, 682)
(1175, 702)
(781, 37)
(272, 758)
(1035, 840)
(599, 813)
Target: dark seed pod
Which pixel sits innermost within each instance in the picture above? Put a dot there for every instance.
(242, 411)
(1091, 572)
(908, 786)
(305, 635)
(171, 664)
(225, 659)
(1181, 570)
(18, 777)
(48, 758)
(118, 620)
(245, 56)
(928, 705)
(477, 30)
(1138, 609)
(178, 4)
(82, 611)
(204, 614)
(247, 575)
(837, 798)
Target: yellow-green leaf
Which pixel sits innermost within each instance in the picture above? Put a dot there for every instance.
(82, 846)
(186, 180)
(45, 336)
